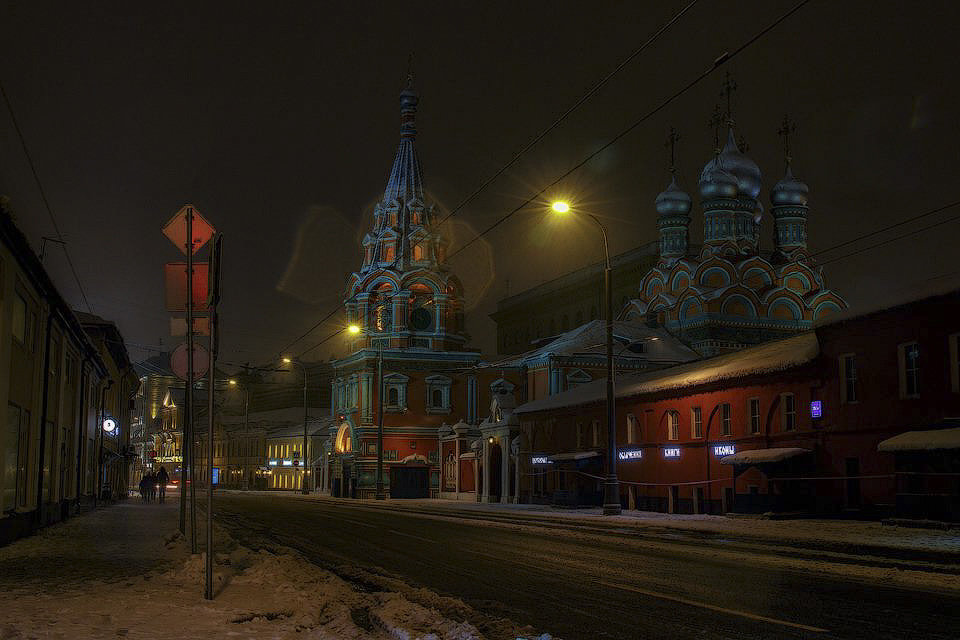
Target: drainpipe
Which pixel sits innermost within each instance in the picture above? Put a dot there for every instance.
(43, 416)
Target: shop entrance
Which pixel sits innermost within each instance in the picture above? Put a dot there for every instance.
(409, 482)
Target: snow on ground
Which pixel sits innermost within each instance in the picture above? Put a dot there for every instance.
(124, 571)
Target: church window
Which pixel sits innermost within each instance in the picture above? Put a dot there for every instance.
(395, 391)
(438, 394)
(673, 425)
(393, 397)
(418, 251)
(389, 253)
(696, 422)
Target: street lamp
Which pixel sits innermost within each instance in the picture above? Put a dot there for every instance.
(290, 361)
(380, 493)
(611, 485)
(246, 414)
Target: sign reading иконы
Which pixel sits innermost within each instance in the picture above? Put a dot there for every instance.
(724, 450)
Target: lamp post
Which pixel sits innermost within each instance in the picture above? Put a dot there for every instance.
(611, 485)
(304, 490)
(380, 493)
(246, 415)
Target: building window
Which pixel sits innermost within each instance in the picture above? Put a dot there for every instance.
(954, 342)
(438, 394)
(909, 356)
(388, 252)
(595, 428)
(696, 422)
(631, 428)
(754, 415)
(673, 425)
(789, 411)
(726, 428)
(848, 378)
(393, 397)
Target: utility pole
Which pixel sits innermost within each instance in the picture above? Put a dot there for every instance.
(188, 424)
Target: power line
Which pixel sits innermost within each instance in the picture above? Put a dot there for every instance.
(723, 59)
(912, 232)
(526, 148)
(43, 195)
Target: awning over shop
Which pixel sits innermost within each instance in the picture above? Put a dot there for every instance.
(576, 455)
(764, 456)
(470, 455)
(931, 440)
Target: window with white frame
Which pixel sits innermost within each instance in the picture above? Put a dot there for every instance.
(673, 425)
(788, 412)
(395, 392)
(696, 422)
(909, 357)
(631, 429)
(954, 342)
(848, 378)
(438, 394)
(754, 407)
(726, 427)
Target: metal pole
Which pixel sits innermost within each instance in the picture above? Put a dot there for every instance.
(611, 486)
(246, 416)
(188, 426)
(381, 494)
(304, 489)
(208, 591)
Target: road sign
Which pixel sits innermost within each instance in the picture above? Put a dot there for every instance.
(176, 229)
(178, 326)
(179, 361)
(175, 285)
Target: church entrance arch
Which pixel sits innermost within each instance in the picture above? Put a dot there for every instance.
(411, 478)
(496, 472)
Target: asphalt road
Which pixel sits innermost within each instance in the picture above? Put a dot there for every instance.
(587, 584)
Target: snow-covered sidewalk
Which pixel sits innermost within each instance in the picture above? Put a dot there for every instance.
(124, 571)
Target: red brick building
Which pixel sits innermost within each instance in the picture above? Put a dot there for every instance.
(800, 424)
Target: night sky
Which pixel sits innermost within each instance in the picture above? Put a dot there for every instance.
(279, 121)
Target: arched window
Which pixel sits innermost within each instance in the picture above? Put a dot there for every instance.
(673, 425)
(436, 398)
(393, 397)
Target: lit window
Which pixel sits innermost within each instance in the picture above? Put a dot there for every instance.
(631, 428)
(754, 415)
(789, 409)
(696, 422)
(388, 252)
(726, 428)
(673, 425)
(848, 377)
(909, 356)
(418, 252)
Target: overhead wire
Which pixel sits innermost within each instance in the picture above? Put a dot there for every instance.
(526, 148)
(43, 195)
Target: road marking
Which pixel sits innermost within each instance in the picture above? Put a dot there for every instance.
(410, 535)
(713, 607)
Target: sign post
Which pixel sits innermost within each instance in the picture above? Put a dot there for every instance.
(214, 299)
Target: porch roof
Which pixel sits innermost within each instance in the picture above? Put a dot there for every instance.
(573, 455)
(929, 440)
(764, 456)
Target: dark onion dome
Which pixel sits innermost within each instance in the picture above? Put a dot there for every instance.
(716, 181)
(743, 168)
(673, 201)
(790, 191)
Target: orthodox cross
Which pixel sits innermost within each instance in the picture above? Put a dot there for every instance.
(410, 70)
(742, 144)
(729, 87)
(786, 128)
(671, 142)
(716, 120)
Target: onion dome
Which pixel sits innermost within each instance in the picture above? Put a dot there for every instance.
(789, 191)
(743, 168)
(716, 181)
(673, 201)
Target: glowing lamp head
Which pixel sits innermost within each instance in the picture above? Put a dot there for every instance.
(353, 329)
(232, 382)
(287, 360)
(560, 207)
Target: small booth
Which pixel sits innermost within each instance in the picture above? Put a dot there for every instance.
(782, 467)
(928, 473)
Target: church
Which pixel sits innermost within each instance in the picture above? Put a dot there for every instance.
(730, 294)
(407, 308)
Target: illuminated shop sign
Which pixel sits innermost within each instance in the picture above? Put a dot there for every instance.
(630, 454)
(288, 463)
(216, 476)
(671, 452)
(273, 463)
(540, 460)
(168, 459)
(724, 450)
(816, 409)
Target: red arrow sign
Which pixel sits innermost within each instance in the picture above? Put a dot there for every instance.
(176, 229)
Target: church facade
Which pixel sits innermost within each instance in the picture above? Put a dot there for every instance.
(729, 294)
(411, 344)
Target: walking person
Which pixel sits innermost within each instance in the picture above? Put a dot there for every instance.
(162, 479)
(145, 487)
(151, 487)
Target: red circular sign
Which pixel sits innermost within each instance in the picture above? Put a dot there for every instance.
(178, 361)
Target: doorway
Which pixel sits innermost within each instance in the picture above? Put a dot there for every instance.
(496, 462)
(674, 503)
(409, 482)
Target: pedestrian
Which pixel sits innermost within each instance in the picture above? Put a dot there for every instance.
(151, 487)
(145, 487)
(162, 479)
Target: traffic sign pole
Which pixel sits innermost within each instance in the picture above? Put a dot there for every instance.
(214, 292)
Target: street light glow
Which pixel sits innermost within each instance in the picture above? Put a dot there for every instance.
(560, 207)
(287, 360)
(232, 382)
(354, 329)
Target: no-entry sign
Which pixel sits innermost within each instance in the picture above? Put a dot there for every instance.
(179, 361)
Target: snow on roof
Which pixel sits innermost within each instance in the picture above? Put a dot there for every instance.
(590, 339)
(576, 455)
(762, 456)
(765, 358)
(931, 440)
